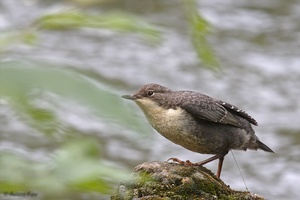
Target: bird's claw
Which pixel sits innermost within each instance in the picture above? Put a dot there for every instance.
(186, 163)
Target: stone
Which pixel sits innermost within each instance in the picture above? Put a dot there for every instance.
(172, 181)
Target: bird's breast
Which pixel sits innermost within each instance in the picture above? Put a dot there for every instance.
(174, 124)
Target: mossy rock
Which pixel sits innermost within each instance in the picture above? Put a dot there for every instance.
(171, 181)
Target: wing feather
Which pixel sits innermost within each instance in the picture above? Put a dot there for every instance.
(208, 109)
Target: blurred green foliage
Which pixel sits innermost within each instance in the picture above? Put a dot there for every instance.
(114, 21)
(76, 165)
(22, 83)
(200, 31)
(14, 37)
(121, 22)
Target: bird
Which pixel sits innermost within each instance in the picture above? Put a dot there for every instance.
(197, 122)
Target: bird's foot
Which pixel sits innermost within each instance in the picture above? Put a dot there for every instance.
(181, 162)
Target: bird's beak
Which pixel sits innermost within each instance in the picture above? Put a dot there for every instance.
(130, 97)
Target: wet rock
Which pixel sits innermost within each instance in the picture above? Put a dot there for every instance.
(171, 181)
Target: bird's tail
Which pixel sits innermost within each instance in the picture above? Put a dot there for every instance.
(263, 146)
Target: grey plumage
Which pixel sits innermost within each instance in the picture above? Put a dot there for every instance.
(197, 122)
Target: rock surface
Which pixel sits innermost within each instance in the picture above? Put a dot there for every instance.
(171, 181)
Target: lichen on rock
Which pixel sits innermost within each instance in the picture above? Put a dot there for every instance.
(172, 181)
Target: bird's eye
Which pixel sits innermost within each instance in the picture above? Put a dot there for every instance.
(150, 92)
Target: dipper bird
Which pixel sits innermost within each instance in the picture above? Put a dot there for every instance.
(197, 122)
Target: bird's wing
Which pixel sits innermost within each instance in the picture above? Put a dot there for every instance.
(238, 112)
(211, 110)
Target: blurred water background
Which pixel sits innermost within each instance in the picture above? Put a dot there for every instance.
(65, 64)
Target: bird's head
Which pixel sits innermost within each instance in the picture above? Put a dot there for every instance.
(149, 96)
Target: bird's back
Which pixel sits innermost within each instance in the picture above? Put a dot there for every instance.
(219, 125)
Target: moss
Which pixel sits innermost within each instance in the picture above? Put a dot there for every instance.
(163, 180)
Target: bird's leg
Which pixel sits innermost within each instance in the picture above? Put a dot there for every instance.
(209, 160)
(189, 163)
(221, 159)
(218, 156)
(215, 157)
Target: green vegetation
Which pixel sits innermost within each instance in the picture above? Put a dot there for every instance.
(75, 164)
(123, 22)
(74, 167)
(200, 31)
